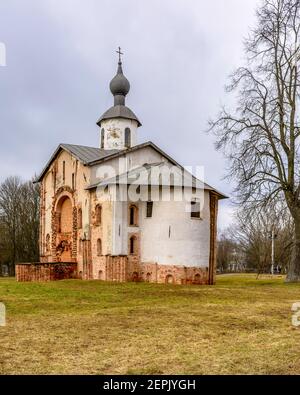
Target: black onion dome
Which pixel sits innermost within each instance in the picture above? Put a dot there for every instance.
(119, 85)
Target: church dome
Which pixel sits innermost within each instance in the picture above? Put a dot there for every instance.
(119, 85)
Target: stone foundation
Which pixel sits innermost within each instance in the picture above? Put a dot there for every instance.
(115, 269)
(45, 271)
(125, 269)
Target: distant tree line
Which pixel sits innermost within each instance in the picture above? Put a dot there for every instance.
(19, 223)
(247, 244)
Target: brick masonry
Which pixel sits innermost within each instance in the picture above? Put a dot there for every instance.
(125, 268)
(45, 271)
(64, 245)
(69, 242)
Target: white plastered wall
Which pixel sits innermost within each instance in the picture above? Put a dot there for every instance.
(114, 133)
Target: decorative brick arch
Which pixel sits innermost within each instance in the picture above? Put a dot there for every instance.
(60, 195)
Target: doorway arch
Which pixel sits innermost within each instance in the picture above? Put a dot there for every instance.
(64, 227)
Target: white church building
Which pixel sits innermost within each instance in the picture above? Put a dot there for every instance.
(123, 211)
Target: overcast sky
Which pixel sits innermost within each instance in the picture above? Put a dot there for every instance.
(61, 56)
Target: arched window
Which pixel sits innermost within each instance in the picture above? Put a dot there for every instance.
(79, 219)
(127, 138)
(100, 275)
(132, 245)
(98, 214)
(102, 138)
(99, 247)
(133, 215)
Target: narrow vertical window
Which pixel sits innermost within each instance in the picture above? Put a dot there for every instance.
(102, 138)
(99, 247)
(131, 220)
(127, 138)
(73, 181)
(149, 209)
(98, 214)
(133, 216)
(195, 209)
(132, 245)
(64, 171)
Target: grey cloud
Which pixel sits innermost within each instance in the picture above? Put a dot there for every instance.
(60, 59)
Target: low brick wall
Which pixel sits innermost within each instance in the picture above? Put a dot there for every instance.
(45, 271)
(128, 268)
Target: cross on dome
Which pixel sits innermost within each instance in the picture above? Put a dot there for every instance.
(120, 53)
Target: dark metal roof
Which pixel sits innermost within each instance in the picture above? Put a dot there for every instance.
(119, 111)
(83, 153)
(87, 154)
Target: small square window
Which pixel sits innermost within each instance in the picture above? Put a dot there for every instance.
(195, 209)
(149, 209)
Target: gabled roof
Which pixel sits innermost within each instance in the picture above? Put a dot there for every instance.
(91, 156)
(83, 153)
(144, 176)
(87, 154)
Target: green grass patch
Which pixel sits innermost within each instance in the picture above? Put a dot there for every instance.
(240, 326)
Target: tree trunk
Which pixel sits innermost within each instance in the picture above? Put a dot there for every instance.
(293, 274)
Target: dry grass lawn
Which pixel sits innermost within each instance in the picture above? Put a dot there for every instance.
(240, 326)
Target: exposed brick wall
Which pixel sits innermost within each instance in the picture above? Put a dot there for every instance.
(66, 219)
(213, 203)
(64, 245)
(173, 274)
(42, 220)
(45, 271)
(123, 269)
(113, 268)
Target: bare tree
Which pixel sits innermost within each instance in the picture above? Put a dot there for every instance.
(9, 210)
(261, 137)
(252, 232)
(19, 220)
(28, 247)
(225, 251)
